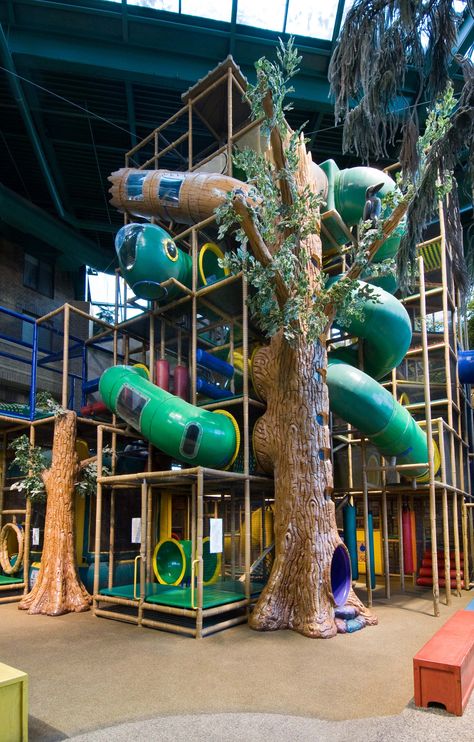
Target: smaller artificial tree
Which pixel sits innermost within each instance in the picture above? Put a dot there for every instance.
(58, 588)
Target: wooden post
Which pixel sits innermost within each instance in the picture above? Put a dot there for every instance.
(386, 560)
(112, 538)
(457, 557)
(144, 494)
(98, 517)
(447, 565)
(400, 542)
(429, 436)
(365, 501)
(199, 535)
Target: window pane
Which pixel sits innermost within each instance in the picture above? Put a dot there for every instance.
(130, 404)
(312, 19)
(219, 10)
(46, 279)
(171, 5)
(31, 272)
(269, 14)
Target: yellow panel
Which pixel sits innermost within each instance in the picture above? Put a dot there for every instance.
(378, 555)
(13, 705)
(165, 515)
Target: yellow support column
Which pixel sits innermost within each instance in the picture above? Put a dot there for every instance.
(166, 502)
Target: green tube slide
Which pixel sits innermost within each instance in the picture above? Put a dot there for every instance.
(360, 400)
(179, 429)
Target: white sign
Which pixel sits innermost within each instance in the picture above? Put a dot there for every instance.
(136, 530)
(35, 537)
(215, 545)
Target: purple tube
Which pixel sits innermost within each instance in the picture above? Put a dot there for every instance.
(340, 574)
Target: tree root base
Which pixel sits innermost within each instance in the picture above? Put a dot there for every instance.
(353, 616)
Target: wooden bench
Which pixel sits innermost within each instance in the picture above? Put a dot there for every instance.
(444, 667)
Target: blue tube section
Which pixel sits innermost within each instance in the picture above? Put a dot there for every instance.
(211, 390)
(214, 364)
(350, 537)
(466, 366)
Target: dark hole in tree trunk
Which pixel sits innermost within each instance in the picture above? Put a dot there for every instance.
(340, 575)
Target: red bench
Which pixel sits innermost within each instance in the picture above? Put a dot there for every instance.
(444, 667)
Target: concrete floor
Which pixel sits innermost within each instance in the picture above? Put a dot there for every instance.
(88, 674)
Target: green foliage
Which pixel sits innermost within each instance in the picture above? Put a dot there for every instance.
(274, 77)
(87, 485)
(31, 463)
(46, 401)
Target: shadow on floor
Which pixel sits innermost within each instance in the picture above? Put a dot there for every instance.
(39, 731)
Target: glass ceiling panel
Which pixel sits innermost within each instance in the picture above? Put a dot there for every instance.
(170, 5)
(219, 10)
(312, 19)
(269, 14)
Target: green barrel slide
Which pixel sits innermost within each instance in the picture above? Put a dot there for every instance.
(360, 400)
(179, 429)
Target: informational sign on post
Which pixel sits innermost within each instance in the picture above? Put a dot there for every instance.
(136, 530)
(215, 540)
(35, 537)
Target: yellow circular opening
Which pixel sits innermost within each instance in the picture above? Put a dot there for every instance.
(213, 249)
(237, 436)
(215, 575)
(165, 543)
(143, 368)
(437, 463)
(172, 252)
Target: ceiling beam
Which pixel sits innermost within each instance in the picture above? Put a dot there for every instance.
(74, 249)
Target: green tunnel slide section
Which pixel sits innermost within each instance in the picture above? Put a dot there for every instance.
(179, 429)
(346, 193)
(385, 327)
(362, 402)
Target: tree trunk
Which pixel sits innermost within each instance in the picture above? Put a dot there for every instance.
(58, 588)
(292, 440)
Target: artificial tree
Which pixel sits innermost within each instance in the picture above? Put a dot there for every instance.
(279, 221)
(58, 588)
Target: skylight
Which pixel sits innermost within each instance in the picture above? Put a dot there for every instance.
(300, 17)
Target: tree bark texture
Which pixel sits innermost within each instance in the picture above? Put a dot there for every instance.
(58, 588)
(292, 440)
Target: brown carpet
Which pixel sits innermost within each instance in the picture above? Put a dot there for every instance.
(88, 673)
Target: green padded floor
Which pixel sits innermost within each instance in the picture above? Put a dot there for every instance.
(180, 597)
(10, 580)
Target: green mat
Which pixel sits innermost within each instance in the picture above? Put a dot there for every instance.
(178, 597)
(10, 580)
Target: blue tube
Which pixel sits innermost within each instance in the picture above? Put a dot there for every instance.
(211, 390)
(350, 537)
(370, 524)
(214, 364)
(466, 366)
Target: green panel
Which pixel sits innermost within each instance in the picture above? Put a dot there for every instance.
(10, 580)
(181, 597)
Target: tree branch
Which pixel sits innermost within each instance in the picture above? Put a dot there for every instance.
(353, 273)
(276, 143)
(259, 248)
(390, 224)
